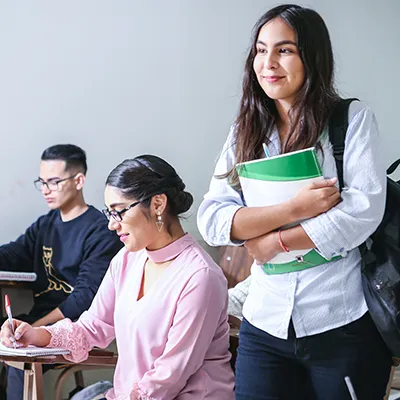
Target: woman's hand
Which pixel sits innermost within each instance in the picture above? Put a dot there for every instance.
(263, 248)
(316, 198)
(25, 335)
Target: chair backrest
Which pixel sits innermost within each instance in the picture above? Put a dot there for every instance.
(236, 263)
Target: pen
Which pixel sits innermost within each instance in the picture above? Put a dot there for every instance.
(10, 318)
(265, 149)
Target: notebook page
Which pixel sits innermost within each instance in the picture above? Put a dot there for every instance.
(17, 276)
(31, 351)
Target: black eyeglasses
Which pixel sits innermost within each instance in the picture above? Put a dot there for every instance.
(51, 185)
(117, 215)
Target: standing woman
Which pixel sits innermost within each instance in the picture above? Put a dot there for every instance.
(303, 332)
(163, 298)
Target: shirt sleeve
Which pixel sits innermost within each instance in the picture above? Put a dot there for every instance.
(200, 308)
(19, 254)
(237, 297)
(95, 327)
(350, 223)
(220, 204)
(100, 247)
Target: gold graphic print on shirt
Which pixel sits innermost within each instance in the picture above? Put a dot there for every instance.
(54, 282)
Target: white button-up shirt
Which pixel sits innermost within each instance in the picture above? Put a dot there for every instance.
(330, 295)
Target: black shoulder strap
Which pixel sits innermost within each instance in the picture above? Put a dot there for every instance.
(338, 123)
(393, 167)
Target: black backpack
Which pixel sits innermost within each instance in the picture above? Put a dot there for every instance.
(381, 259)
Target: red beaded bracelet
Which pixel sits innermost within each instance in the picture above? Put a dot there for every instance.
(284, 248)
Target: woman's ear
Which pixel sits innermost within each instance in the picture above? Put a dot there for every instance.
(159, 203)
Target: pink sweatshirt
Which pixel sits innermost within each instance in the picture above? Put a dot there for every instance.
(173, 342)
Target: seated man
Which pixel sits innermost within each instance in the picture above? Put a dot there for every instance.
(69, 248)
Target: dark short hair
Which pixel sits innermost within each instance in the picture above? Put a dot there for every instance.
(144, 176)
(74, 156)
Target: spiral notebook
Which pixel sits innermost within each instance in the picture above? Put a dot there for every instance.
(32, 351)
(17, 276)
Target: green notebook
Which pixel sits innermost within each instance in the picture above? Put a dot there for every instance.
(273, 180)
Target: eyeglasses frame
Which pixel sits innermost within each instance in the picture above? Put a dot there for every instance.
(43, 183)
(114, 213)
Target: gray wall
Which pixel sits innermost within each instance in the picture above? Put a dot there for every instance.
(125, 77)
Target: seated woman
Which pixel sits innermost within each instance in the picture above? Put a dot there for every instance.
(163, 298)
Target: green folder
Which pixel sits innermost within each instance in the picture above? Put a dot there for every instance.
(273, 180)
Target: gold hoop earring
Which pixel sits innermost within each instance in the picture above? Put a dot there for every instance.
(160, 222)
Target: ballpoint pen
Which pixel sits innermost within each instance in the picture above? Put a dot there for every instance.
(265, 150)
(10, 318)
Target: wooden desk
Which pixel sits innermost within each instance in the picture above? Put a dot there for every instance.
(32, 367)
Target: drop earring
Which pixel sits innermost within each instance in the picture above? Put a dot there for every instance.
(160, 222)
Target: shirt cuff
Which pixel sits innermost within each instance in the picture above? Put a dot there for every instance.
(328, 241)
(221, 232)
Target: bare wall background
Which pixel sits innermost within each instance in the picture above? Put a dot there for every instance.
(126, 77)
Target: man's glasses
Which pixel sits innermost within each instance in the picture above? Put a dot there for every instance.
(117, 215)
(51, 185)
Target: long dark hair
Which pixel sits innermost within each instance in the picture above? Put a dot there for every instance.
(144, 176)
(311, 110)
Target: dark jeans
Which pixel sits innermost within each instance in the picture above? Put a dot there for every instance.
(15, 384)
(97, 389)
(313, 367)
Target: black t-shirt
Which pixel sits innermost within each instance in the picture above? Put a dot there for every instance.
(70, 259)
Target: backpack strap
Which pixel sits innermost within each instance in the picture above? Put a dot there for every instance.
(338, 123)
(393, 167)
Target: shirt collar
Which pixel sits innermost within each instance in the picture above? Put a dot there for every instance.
(172, 250)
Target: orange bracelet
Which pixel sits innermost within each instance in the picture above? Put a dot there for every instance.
(284, 248)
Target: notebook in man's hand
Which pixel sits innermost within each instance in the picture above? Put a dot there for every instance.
(32, 351)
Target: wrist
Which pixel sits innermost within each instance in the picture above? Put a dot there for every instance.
(41, 337)
(281, 244)
(292, 210)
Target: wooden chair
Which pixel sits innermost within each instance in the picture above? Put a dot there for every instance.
(32, 367)
(64, 375)
(77, 371)
(233, 338)
(236, 263)
(394, 379)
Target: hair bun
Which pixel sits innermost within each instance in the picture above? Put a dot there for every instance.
(178, 183)
(182, 202)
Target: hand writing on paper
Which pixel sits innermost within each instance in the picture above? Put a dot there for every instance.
(263, 248)
(25, 335)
